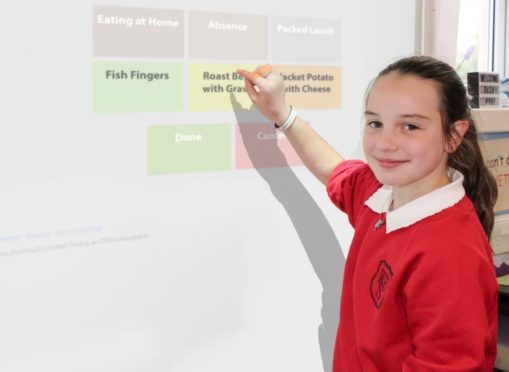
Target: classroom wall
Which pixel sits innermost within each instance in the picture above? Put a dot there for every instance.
(119, 250)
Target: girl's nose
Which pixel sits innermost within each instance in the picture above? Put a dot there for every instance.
(387, 140)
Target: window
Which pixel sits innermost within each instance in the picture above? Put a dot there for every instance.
(475, 30)
(483, 36)
(468, 34)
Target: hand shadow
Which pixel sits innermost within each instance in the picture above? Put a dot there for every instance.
(313, 229)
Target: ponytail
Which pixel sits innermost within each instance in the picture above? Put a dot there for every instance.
(480, 185)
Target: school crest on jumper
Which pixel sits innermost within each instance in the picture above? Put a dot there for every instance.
(380, 282)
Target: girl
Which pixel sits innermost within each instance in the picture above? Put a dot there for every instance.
(419, 289)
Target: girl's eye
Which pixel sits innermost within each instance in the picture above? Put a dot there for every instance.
(411, 127)
(374, 124)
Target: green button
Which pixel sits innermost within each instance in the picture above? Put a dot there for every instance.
(138, 87)
(188, 148)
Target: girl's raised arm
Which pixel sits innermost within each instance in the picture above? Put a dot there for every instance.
(267, 91)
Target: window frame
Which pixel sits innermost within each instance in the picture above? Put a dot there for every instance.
(499, 53)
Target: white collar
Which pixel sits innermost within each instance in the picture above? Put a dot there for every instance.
(420, 208)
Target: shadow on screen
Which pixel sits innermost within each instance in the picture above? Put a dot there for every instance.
(312, 227)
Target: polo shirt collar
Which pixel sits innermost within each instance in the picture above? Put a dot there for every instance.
(420, 208)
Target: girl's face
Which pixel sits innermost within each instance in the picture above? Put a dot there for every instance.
(403, 139)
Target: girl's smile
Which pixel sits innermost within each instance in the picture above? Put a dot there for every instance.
(389, 163)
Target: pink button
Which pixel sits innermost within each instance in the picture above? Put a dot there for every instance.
(261, 146)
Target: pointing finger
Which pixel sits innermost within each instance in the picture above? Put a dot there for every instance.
(256, 77)
(251, 91)
(264, 70)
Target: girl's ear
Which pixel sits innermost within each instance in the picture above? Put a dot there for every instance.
(459, 128)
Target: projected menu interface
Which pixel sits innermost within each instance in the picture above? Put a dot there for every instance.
(160, 60)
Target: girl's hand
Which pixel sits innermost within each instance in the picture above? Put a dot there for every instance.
(267, 91)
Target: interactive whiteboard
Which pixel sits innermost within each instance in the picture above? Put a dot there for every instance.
(150, 219)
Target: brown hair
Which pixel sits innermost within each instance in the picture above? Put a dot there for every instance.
(480, 185)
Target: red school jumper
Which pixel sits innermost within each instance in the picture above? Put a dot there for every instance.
(419, 289)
